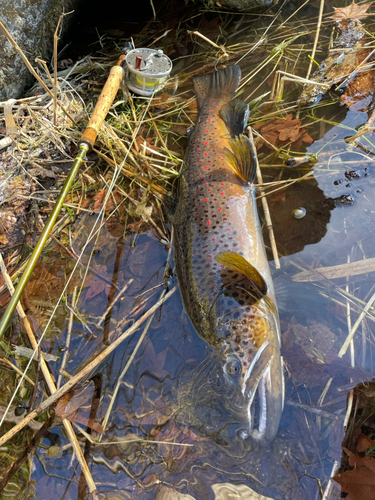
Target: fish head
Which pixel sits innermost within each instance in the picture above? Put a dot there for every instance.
(252, 367)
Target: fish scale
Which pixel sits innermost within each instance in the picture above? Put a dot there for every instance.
(216, 216)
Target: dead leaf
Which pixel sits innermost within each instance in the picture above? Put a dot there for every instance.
(363, 443)
(155, 362)
(352, 11)
(347, 65)
(359, 483)
(99, 199)
(279, 131)
(73, 400)
(70, 406)
(95, 284)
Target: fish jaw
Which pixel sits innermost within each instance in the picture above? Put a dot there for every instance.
(264, 376)
(269, 383)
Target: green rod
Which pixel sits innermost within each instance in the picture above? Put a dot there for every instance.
(43, 239)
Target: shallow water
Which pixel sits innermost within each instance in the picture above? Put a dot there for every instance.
(169, 392)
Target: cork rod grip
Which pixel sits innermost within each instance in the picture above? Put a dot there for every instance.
(104, 103)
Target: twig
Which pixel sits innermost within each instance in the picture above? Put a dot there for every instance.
(330, 484)
(346, 344)
(340, 271)
(16, 369)
(316, 411)
(32, 70)
(109, 308)
(84, 372)
(124, 371)
(316, 38)
(67, 340)
(220, 47)
(266, 210)
(50, 383)
(349, 319)
(18, 463)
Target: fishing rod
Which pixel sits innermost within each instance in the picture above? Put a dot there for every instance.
(86, 144)
(146, 72)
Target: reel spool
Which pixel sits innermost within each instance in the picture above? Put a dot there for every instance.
(147, 71)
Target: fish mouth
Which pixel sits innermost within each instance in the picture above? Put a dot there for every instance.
(264, 379)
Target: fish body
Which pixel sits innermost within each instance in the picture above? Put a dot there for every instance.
(221, 263)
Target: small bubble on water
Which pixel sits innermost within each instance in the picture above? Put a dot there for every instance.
(299, 213)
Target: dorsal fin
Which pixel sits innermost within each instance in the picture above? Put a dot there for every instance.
(235, 115)
(220, 85)
(242, 157)
(235, 261)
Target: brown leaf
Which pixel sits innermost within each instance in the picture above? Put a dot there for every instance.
(73, 400)
(358, 483)
(99, 200)
(279, 131)
(87, 422)
(363, 443)
(353, 11)
(95, 284)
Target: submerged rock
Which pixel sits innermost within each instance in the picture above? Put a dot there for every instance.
(32, 24)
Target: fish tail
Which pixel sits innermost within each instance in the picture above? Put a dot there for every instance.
(220, 85)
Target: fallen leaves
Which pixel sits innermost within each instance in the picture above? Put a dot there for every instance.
(359, 483)
(349, 62)
(352, 11)
(281, 131)
(357, 473)
(72, 404)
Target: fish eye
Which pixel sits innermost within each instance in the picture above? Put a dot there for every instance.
(233, 369)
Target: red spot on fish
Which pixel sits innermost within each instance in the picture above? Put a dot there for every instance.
(198, 149)
(229, 229)
(208, 223)
(208, 119)
(220, 209)
(213, 104)
(206, 142)
(205, 182)
(196, 213)
(205, 199)
(210, 110)
(206, 130)
(222, 193)
(213, 239)
(221, 183)
(209, 256)
(205, 154)
(209, 189)
(207, 166)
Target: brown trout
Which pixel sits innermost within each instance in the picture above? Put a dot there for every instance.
(221, 263)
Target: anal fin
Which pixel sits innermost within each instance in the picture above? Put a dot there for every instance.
(242, 157)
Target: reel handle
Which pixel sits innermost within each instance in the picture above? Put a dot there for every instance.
(105, 101)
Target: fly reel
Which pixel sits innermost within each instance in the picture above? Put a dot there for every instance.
(147, 71)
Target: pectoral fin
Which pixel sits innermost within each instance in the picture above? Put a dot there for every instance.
(242, 157)
(235, 261)
(235, 115)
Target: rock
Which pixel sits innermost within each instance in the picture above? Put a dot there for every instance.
(32, 24)
(243, 5)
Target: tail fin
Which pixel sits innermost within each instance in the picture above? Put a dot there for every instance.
(220, 85)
